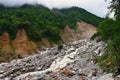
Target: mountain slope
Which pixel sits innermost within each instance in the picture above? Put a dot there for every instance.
(21, 46)
(75, 14)
(31, 27)
(38, 21)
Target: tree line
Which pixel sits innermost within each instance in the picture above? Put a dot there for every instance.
(39, 21)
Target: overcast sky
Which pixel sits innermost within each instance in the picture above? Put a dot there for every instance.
(98, 7)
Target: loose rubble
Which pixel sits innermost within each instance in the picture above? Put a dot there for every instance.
(75, 61)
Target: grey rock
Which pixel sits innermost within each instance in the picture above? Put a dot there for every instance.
(48, 63)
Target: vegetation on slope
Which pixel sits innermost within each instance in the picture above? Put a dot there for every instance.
(109, 30)
(75, 14)
(39, 21)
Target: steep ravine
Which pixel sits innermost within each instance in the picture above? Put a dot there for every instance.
(74, 61)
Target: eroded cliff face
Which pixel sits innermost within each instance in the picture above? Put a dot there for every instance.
(5, 48)
(84, 31)
(5, 43)
(43, 43)
(68, 35)
(22, 45)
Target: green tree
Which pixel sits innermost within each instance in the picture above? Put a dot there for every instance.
(109, 30)
(115, 6)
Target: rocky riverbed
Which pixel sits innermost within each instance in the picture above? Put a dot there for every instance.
(73, 61)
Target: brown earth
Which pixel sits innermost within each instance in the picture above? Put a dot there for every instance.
(5, 43)
(44, 43)
(84, 30)
(22, 45)
(68, 35)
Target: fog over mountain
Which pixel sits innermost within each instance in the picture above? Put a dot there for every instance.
(98, 7)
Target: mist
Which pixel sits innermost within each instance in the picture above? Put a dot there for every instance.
(98, 7)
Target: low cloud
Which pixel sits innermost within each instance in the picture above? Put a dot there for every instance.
(98, 7)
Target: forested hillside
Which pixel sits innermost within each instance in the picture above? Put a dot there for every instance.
(39, 21)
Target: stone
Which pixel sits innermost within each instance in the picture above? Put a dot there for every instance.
(95, 72)
(82, 78)
(82, 74)
(67, 72)
(117, 77)
(106, 77)
(72, 62)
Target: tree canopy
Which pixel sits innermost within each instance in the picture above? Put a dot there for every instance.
(115, 6)
(109, 30)
(39, 21)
